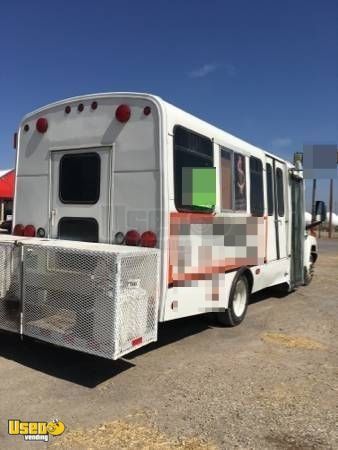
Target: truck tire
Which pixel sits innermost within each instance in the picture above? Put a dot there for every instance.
(238, 303)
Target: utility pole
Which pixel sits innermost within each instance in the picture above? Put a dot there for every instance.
(330, 208)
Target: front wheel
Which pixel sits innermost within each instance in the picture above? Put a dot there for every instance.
(308, 273)
(238, 303)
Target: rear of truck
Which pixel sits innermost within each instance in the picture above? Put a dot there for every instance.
(82, 269)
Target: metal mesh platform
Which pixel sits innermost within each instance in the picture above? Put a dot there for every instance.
(97, 299)
(10, 286)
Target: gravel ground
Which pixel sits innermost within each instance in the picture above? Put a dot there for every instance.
(271, 383)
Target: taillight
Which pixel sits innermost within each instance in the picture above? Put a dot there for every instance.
(132, 237)
(148, 239)
(122, 113)
(29, 231)
(42, 125)
(18, 229)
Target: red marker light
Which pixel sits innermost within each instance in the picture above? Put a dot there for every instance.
(80, 108)
(42, 125)
(136, 341)
(146, 110)
(94, 105)
(18, 229)
(148, 239)
(68, 109)
(29, 231)
(122, 113)
(132, 237)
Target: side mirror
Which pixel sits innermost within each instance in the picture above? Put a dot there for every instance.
(320, 210)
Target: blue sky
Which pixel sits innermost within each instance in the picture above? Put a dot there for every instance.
(266, 71)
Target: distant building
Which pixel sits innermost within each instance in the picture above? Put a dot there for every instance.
(7, 181)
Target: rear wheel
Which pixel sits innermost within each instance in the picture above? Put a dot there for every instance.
(238, 303)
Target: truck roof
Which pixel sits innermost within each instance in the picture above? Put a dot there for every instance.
(172, 111)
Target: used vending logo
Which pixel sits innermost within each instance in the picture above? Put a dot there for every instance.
(35, 431)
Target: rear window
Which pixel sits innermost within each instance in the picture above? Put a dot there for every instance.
(79, 229)
(80, 178)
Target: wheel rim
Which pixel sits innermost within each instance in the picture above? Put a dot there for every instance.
(240, 297)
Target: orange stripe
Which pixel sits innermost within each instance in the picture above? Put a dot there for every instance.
(170, 274)
(205, 274)
(192, 217)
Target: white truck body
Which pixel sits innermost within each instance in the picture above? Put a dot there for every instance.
(133, 186)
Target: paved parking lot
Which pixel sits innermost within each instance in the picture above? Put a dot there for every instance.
(270, 383)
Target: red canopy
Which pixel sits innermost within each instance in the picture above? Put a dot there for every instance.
(7, 180)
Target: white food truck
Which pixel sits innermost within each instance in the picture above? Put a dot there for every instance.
(129, 211)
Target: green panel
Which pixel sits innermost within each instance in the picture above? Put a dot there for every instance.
(199, 186)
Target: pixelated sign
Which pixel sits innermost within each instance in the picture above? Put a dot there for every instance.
(199, 186)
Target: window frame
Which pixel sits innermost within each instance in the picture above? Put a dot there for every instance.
(98, 186)
(280, 190)
(244, 156)
(79, 218)
(257, 212)
(233, 153)
(270, 199)
(180, 207)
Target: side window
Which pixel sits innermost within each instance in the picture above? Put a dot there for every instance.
(269, 185)
(256, 187)
(240, 182)
(226, 179)
(280, 192)
(190, 150)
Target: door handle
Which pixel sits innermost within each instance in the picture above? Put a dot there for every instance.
(52, 217)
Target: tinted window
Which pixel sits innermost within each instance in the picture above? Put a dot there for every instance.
(78, 229)
(190, 150)
(226, 179)
(280, 192)
(256, 187)
(269, 187)
(240, 182)
(80, 178)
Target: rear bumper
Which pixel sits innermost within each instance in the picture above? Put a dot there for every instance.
(95, 298)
